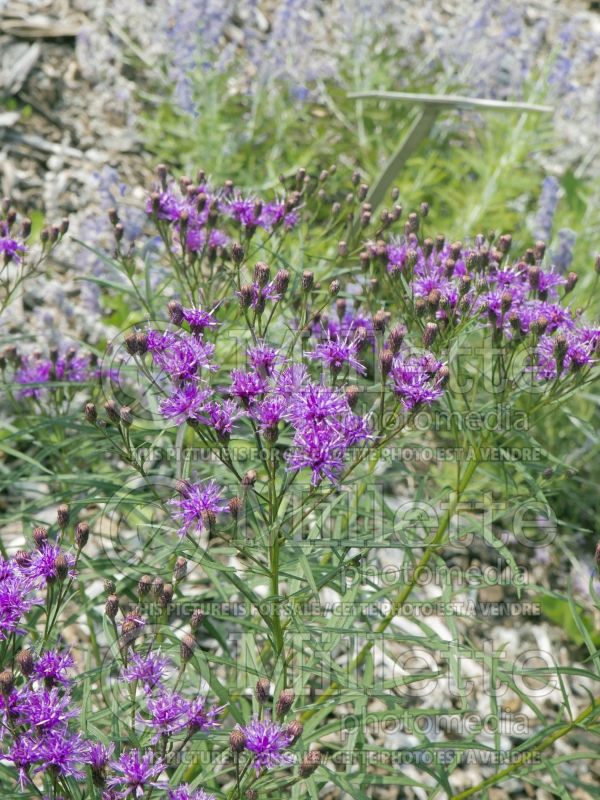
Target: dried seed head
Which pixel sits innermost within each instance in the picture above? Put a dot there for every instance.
(263, 690)
(295, 729)
(62, 516)
(237, 740)
(187, 647)
(26, 662)
(82, 534)
(90, 412)
(309, 763)
(112, 606)
(284, 702)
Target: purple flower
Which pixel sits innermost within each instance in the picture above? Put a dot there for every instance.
(168, 206)
(314, 404)
(416, 380)
(184, 357)
(16, 597)
(198, 319)
(187, 402)
(23, 755)
(149, 670)
(184, 792)
(270, 411)
(247, 386)
(11, 249)
(52, 667)
(168, 714)
(62, 753)
(263, 358)
(99, 755)
(44, 563)
(221, 416)
(44, 709)
(137, 773)
(336, 352)
(267, 740)
(320, 449)
(197, 505)
(290, 380)
(69, 368)
(200, 718)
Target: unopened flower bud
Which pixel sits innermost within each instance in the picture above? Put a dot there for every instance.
(424, 209)
(294, 729)
(334, 288)
(363, 191)
(196, 619)
(166, 595)
(112, 606)
(126, 416)
(343, 249)
(157, 586)
(570, 282)
(282, 280)
(429, 333)
(379, 320)
(443, 376)
(352, 393)
(386, 360)
(187, 647)
(110, 587)
(119, 232)
(246, 295)
(144, 585)
(249, 478)
(284, 702)
(180, 569)
(112, 411)
(308, 280)
(262, 272)
(237, 740)
(396, 337)
(263, 690)
(505, 301)
(61, 565)
(90, 412)
(309, 763)
(237, 253)
(533, 273)
(23, 558)
(7, 682)
(433, 300)
(40, 537)
(420, 306)
(25, 228)
(26, 662)
(82, 534)
(62, 516)
(175, 311)
(234, 506)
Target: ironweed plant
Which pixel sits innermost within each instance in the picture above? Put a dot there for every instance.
(270, 591)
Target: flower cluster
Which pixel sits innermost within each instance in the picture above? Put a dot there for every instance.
(35, 375)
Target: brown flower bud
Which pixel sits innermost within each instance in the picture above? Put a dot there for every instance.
(61, 565)
(379, 321)
(157, 586)
(237, 740)
(126, 416)
(110, 587)
(309, 763)
(40, 537)
(282, 280)
(429, 333)
(144, 585)
(386, 359)
(334, 288)
(90, 412)
(308, 280)
(505, 301)
(112, 606)
(7, 682)
(26, 662)
(237, 252)
(82, 534)
(533, 273)
(263, 690)
(180, 569)
(234, 506)
(196, 619)
(284, 702)
(131, 344)
(187, 647)
(295, 729)
(62, 516)
(113, 216)
(23, 558)
(262, 272)
(396, 338)
(572, 278)
(249, 478)
(246, 295)
(352, 393)
(166, 595)
(112, 411)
